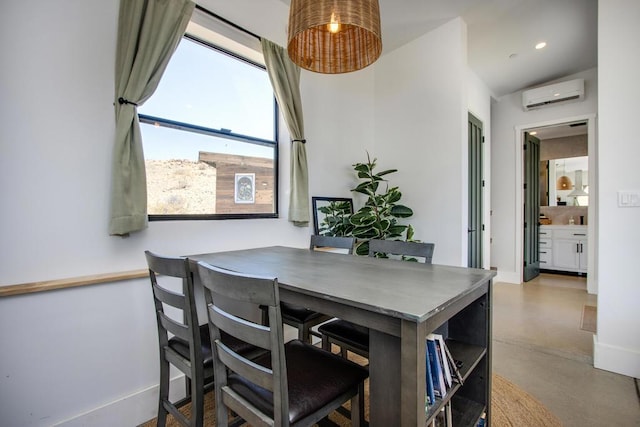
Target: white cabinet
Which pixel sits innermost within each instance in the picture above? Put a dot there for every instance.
(546, 258)
(570, 250)
(563, 248)
(545, 250)
(570, 255)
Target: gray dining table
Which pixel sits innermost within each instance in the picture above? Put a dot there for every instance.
(400, 302)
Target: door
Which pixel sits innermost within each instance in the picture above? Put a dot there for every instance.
(531, 206)
(476, 184)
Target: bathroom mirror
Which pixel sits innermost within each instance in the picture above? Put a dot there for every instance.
(564, 182)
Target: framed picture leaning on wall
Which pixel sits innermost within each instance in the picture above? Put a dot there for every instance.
(331, 215)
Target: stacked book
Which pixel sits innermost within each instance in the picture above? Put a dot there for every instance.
(442, 369)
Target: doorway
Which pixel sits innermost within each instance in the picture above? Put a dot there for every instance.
(587, 122)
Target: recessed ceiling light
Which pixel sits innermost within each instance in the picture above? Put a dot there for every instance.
(541, 45)
(533, 133)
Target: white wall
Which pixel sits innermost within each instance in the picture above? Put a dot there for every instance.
(617, 345)
(421, 129)
(507, 115)
(338, 140)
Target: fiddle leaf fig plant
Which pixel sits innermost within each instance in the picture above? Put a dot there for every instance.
(378, 218)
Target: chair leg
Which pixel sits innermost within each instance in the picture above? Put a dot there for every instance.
(197, 399)
(303, 333)
(326, 345)
(357, 407)
(187, 386)
(163, 392)
(222, 414)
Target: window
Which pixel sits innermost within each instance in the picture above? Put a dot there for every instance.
(209, 136)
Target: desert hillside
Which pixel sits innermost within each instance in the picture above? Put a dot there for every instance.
(178, 186)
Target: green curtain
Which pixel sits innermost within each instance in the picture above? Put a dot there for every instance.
(285, 79)
(148, 33)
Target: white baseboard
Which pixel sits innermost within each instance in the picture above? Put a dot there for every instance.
(132, 410)
(507, 277)
(616, 359)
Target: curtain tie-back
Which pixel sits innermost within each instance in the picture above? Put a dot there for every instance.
(121, 101)
(304, 141)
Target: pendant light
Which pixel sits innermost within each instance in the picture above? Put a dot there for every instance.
(564, 182)
(334, 36)
(579, 189)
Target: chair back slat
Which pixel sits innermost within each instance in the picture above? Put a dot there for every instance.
(337, 242)
(169, 297)
(244, 330)
(399, 247)
(241, 287)
(178, 329)
(173, 267)
(253, 372)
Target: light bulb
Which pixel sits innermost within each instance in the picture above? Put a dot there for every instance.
(334, 25)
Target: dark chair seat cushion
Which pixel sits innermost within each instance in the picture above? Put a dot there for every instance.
(351, 334)
(297, 313)
(182, 347)
(314, 376)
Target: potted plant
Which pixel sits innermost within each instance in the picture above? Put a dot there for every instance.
(378, 218)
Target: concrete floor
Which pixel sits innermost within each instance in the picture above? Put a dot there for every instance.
(538, 345)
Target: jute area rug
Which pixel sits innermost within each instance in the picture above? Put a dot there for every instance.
(511, 407)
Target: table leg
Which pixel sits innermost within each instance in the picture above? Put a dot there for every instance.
(384, 379)
(413, 373)
(397, 377)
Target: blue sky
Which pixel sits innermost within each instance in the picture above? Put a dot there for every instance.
(206, 88)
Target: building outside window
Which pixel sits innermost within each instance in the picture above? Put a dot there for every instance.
(209, 131)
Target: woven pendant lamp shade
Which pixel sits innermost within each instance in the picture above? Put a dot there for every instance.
(353, 42)
(564, 183)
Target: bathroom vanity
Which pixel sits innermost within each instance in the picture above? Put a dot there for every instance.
(563, 248)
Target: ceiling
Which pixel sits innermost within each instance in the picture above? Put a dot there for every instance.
(560, 131)
(502, 35)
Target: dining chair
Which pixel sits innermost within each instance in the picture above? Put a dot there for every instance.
(189, 348)
(294, 384)
(302, 318)
(355, 338)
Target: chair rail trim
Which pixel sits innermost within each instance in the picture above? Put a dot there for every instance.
(50, 285)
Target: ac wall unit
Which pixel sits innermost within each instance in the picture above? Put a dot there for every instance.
(572, 90)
